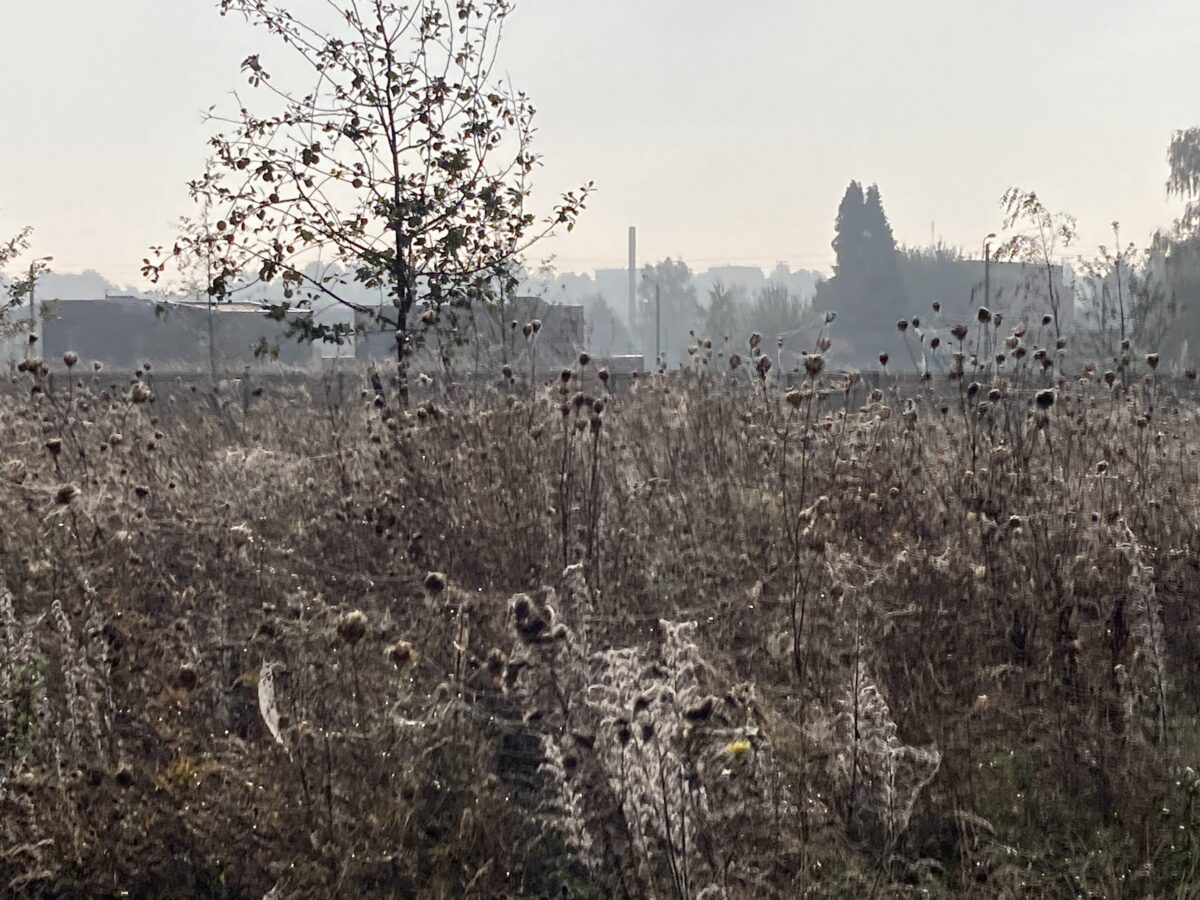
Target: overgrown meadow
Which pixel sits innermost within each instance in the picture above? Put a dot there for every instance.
(708, 634)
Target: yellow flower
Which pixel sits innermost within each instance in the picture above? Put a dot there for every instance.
(737, 748)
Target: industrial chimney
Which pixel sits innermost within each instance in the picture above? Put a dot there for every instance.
(632, 279)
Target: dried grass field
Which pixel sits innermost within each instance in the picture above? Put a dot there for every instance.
(703, 636)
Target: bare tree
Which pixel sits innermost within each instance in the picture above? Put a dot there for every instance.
(1045, 232)
(406, 161)
(18, 290)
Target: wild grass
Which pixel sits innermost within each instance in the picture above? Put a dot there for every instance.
(706, 635)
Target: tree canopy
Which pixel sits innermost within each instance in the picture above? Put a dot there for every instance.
(18, 289)
(866, 290)
(1183, 158)
(405, 160)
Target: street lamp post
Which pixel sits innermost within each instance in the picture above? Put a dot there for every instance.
(657, 323)
(35, 268)
(987, 271)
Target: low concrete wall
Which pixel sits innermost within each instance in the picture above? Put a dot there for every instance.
(125, 332)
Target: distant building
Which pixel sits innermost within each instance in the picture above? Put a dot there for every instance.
(613, 286)
(1020, 291)
(488, 337)
(122, 332)
(747, 279)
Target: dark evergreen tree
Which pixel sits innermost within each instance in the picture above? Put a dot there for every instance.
(848, 241)
(877, 230)
(866, 290)
(887, 298)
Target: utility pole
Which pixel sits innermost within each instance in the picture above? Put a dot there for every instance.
(1120, 291)
(35, 268)
(208, 245)
(632, 277)
(657, 324)
(987, 271)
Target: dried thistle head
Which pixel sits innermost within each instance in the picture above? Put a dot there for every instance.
(701, 711)
(401, 654)
(15, 471)
(187, 677)
(352, 626)
(140, 393)
(37, 570)
(495, 661)
(65, 494)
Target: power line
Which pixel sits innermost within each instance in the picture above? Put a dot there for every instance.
(66, 268)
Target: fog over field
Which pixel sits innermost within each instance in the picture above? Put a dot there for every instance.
(476, 448)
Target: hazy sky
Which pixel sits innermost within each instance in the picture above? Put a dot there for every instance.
(725, 131)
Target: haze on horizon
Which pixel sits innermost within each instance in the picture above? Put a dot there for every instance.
(726, 135)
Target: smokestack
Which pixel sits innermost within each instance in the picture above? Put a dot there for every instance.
(632, 277)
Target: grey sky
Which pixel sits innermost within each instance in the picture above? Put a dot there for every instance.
(725, 131)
